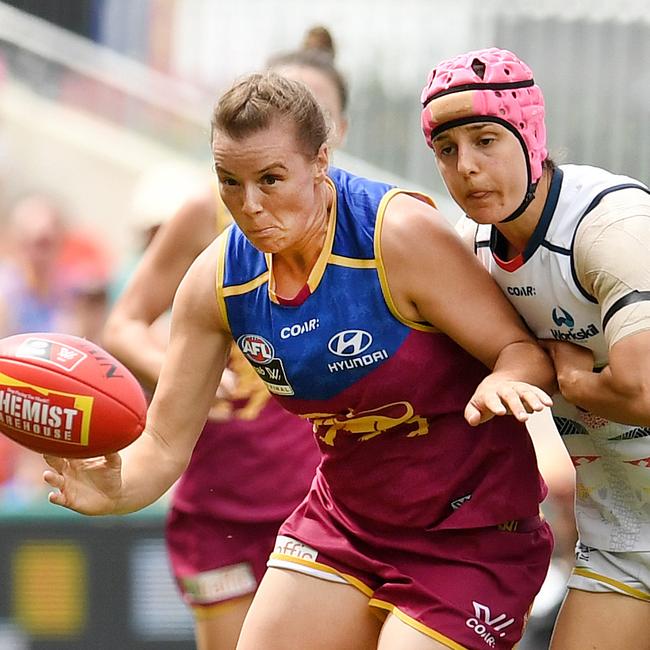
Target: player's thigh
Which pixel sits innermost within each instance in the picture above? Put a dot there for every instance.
(218, 629)
(602, 621)
(397, 635)
(294, 610)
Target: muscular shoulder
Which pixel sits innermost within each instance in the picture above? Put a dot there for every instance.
(410, 217)
(196, 296)
(611, 253)
(613, 234)
(421, 254)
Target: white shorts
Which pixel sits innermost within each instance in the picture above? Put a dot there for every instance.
(604, 571)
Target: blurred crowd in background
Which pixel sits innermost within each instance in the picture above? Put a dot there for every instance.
(55, 275)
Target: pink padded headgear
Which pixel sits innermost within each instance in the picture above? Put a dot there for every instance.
(502, 87)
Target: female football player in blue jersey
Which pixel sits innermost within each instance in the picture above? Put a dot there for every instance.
(569, 247)
(221, 526)
(362, 311)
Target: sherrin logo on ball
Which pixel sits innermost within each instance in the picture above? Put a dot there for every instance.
(66, 396)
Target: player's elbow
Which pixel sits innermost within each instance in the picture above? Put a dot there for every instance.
(112, 333)
(635, 400)
(621, 398)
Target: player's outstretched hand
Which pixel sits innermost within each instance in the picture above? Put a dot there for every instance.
(88, 485)
(498, 396)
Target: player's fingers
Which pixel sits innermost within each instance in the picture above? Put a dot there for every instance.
(477, 413)
(58, 499)
(544, 397)
(496, 403)
(512, 401)
(53, 479)
(509, 401)
(113, 461)
(532, 401)
(55, 462)
(472, 414)
(533, 396)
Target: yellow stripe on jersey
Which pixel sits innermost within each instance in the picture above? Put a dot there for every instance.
(221, 265)
(316, 274)
(239, 289)
(352, 262)
(381, 270)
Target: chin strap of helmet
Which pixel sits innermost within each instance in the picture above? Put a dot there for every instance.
(528, 199)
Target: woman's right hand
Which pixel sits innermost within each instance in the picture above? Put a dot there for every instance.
(90, 486)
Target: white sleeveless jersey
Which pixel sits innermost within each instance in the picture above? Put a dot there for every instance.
(612, 460)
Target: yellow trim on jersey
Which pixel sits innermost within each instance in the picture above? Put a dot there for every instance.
(235, 290)
(316, 274)
(352, 262)
(420, 627)
(381, 270)
(355, 582)
(239, 289)
(630, 591)
(221, 265)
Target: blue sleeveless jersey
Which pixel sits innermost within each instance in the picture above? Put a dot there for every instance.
(385, 395)
(340, 333)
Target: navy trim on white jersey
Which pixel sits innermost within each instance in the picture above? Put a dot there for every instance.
(628, 299)
(596, 200)
(538, 238)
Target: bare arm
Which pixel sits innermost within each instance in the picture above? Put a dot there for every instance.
(620, 392)
(612, 262)
(128, 333)
(195, 359)
(466, 229)
(433, 277)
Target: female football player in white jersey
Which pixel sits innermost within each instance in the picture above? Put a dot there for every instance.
(569, 247)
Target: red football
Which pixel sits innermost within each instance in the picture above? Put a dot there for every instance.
(65, 396)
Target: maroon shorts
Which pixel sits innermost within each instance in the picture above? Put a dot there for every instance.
(468, 589)
(217, 561)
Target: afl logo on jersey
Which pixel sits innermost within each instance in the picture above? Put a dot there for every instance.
(349, 343)
(256, 348)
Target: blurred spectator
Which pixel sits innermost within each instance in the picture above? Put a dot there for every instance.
(51, 279)
(50, 274)
(86, 269)
(3, 147)
(319, 38)
(31, 290)
(159, 194)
